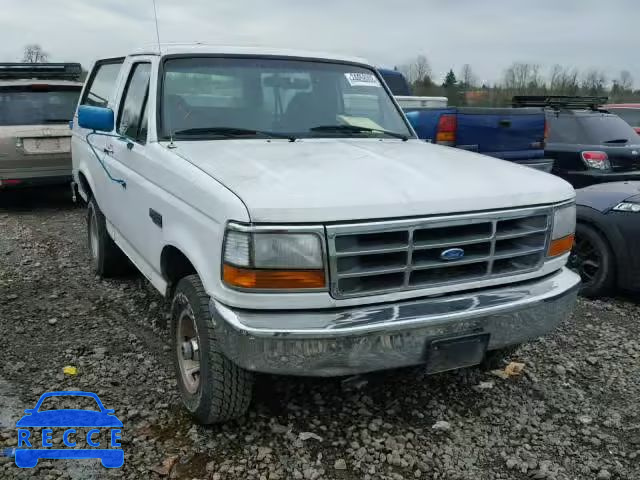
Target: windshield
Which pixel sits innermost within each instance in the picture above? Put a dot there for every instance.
(37, 104)
(590, 128)
(608, 128)
(220, 98)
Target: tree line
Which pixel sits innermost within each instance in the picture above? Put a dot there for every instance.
(520, 78)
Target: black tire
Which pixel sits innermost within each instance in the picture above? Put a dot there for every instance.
(222, 390)
(592, 258)
(107, 258)
(496, 359)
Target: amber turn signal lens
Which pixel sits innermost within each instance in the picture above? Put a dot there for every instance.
(561, 245)
(272, 279)
(446, 137)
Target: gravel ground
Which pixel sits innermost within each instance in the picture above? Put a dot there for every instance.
(573, 414)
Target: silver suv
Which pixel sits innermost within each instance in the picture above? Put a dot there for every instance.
(37, 101)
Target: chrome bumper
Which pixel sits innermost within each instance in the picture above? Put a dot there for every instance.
(357, 340)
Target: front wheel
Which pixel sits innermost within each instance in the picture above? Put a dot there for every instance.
(592, 259)
(213, 389)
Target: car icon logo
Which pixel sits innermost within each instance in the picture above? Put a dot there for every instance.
(452, 254)
(32, 447)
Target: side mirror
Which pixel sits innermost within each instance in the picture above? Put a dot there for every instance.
(30, 410)
(96, 118)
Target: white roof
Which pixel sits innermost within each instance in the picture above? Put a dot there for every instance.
(202, 48)
(19, 82)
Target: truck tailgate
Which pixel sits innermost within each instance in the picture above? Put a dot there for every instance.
(425, 120)
(506, 133)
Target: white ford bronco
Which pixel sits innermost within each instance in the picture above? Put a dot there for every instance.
(286, 206)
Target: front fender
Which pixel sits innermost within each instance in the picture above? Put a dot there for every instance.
(200, 249)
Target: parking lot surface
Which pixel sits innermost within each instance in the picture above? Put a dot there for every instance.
(572, 414)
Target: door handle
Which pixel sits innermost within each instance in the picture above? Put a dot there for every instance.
(108, 149)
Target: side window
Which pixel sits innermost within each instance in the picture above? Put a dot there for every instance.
(102, 84)
(563, 128)
(132, 117)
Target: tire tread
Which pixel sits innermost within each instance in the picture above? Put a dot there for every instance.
(230, 393)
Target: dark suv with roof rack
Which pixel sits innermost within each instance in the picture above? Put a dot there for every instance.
(588, 143)
(37, 101)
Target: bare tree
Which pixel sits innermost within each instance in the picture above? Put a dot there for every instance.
(520, 77)
(33, 53)
(416, 70)
(563, 80)
(593, 82)
(467, 78)
(626, 80)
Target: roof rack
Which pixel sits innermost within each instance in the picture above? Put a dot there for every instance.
(61, 71)
(559, 102)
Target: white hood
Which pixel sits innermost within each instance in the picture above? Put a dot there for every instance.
(324, 180)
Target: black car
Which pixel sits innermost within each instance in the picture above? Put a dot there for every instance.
(588, 144)
(606, 253)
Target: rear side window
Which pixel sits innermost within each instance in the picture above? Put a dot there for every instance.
(102, 84)
(132, 118)
(563, 128)
(629, 115)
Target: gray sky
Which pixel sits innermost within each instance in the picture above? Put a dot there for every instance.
(488, 34)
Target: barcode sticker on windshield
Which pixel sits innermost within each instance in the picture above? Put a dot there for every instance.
(362, 80)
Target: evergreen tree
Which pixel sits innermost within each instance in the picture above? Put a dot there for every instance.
(450, 80)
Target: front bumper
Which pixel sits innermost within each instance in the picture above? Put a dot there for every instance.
(350, 341)
(621, 229)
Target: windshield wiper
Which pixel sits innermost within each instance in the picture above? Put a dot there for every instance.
(617, 140)
(232, 132)
(356, 129)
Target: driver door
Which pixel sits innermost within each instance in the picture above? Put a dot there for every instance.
(128, 156)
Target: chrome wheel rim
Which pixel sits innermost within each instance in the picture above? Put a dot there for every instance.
(93, 234)
(188, 351)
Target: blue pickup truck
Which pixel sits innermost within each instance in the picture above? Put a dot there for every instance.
(514, 134)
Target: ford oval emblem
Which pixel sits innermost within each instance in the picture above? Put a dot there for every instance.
(452, 254)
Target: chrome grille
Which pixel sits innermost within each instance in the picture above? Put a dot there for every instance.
(382, 257)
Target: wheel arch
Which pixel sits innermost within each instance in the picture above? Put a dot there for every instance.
(175, 265)
(85, 182)
(610, 233)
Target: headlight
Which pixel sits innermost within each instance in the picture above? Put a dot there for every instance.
(259, 259)
(627, 207)
(292, 250)
(564, 227)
